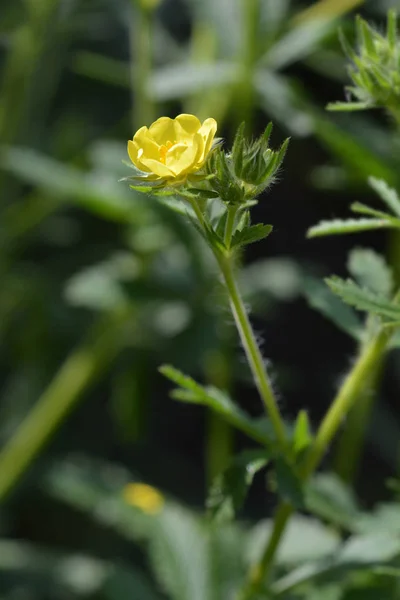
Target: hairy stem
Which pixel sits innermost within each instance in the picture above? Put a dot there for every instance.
(347, 395)
(252, 350)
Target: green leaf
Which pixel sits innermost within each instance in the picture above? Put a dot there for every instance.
(322, 299)
(348, 106)
(106, 198)
(170, 82)
(327, 497)
(339, 226)
(228, 491)
(253, 233)
(218, 401)
(302, 436)
(363, 299)
(389, 196)
(358, 553)
(352, 152)
(290, 487)
(305, 539)
(363, 209)
(371, 270)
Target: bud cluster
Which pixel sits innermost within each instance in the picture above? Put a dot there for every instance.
(250, 167)
(375, 68)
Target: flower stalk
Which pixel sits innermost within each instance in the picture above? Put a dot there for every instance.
(253, 354)
(345, 399)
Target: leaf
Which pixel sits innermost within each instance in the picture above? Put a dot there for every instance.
(363, 299)
(360, 158)
(218, 401)
(363, 209)
(348, 106)
(371, 270)
(327, 497)
(250, 234)
(170, 82)
(302, 436)
(104, 197)
(340, 226)
(305, 539)
(389, 196)
(290, 487)
(228, 491)
(357, 553)
(179, 554)
(321, 298)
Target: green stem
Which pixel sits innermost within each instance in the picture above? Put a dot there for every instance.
(141, 35)
(347, 395)
(229, 226)
(351, 443)
(349, 392)
(64, 391)
(252, 350)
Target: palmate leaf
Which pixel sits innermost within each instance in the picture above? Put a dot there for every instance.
(217, 400)
(364, 299)
(343, 226)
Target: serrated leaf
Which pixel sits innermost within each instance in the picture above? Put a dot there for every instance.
(389, 196)
(339, 226)
(363, 299)
(229, 489)
(217, 400)
(321, 298)
(302, 436)
(371, 270)
(363, 209)
(290, 487)
(253, 233)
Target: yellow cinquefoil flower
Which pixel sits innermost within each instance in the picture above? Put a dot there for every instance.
(171, 149)
(143, 496)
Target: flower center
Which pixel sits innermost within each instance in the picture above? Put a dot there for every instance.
(164, 149)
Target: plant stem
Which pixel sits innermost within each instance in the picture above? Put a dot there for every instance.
(230, 223)
(141, 34)
(351, 443)
(349, 392)
(252, 350)
(347, 395)
(77, 372)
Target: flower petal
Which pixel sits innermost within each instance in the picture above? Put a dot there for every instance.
(134, 152)
(183, 158)
(208, 131)
(143, 139)
(163, 131)
(154, 166)
(186, 126)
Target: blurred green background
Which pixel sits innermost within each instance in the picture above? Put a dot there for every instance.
(100, 285)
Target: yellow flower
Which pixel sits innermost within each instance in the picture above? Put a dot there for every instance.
(171, 149)
(143, 496)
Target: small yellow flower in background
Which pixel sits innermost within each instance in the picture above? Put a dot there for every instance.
(171, 149)
(143, 496)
